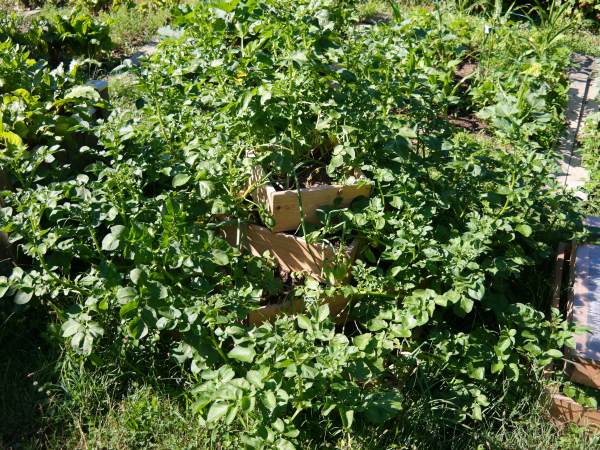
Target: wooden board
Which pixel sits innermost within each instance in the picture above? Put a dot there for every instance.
(566, 410)
(287, 206)
(337, 310)
(583, 371)
(292, 253)
(558, 274)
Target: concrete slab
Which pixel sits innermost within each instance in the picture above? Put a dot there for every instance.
(586, 300)
(583, 90)
(143, 51)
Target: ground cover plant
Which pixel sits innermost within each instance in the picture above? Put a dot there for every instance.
(591, 160)
(120, 251)
(68, 30)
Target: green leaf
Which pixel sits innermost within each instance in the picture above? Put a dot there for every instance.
(70, 327)
(84, 92)
(244, 354)
(138, 328)
(220, 257)
(524, 229)
(299, 57)
(465, 306)
(269, 400)
(477, 373)
(323, 312)
(216, 411)
(135, 275)
(554, 353)
(126, 294)
(180, 179)
(476, 412)
(377, 324)
(278, 425)
(304, 322)
(362, 340)
(128, 309)
(22, 297)
(255, 377)
(247, 403)
(347, 416)
(11, 138)
(497, 366)
(284, 444)
(110, 242)
(205, 188)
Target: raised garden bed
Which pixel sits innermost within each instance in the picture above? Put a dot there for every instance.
(575, 265)
(337, 309)
(565, 410)
(292, 253)
(288, 206)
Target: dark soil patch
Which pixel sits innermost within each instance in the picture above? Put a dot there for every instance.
(376, 18)
(311, 173)
(470, 123)
(286, 293)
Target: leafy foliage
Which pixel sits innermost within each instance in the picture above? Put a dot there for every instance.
(122, 238)
(590, 148)
(60, 38)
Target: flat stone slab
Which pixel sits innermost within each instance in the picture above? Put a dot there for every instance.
(583, 89)
(592, 223)
(584, 361)
(144, 51)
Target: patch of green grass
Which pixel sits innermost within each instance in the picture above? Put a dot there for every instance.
(26, 363)
(146, 419)
(123, 90)
(131, 28)
(583, 41)
(374, 10)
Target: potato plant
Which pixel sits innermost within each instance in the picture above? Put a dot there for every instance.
(122, 238)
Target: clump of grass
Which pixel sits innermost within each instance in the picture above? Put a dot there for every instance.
(147, 419)
(130, 28)
(374, 10)
(583, 41)
(27, 362)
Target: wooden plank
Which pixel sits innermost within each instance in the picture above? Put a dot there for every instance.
(583, 371)
(558, 274)
(292, 253)
(572, 258)
(337, 310)
(566, 410)
(284, 205)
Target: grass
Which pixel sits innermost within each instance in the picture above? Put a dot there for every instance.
(145, 419)
(26, 362)
(374, 10)
(50, 400)
(130, 28)
(583, 41)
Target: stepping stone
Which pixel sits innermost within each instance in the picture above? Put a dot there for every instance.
(583, 89)
(143, 51)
